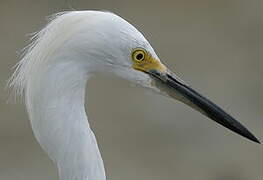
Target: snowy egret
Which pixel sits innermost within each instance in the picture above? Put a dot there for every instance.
(52, 76)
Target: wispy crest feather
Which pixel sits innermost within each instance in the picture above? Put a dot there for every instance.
(32, 56)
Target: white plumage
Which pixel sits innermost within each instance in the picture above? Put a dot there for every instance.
(52, 77)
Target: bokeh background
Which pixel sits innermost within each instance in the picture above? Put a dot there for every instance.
(214, 45)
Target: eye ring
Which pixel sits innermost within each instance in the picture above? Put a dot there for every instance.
(138, 55)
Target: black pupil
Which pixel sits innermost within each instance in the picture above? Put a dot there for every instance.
(139, 56)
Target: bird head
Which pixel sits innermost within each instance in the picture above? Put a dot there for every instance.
(127, 53)
(104, 42)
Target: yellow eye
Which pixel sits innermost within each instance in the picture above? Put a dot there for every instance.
(138, 55)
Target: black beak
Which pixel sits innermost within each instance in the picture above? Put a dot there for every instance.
(177, 89)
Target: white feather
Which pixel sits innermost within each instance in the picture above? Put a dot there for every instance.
(53, 73)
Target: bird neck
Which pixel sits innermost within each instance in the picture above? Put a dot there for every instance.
(55, 103)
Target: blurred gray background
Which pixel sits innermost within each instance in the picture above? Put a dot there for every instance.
(214, 45)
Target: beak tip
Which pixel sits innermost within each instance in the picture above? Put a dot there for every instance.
(256, 140)
(253, 138)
